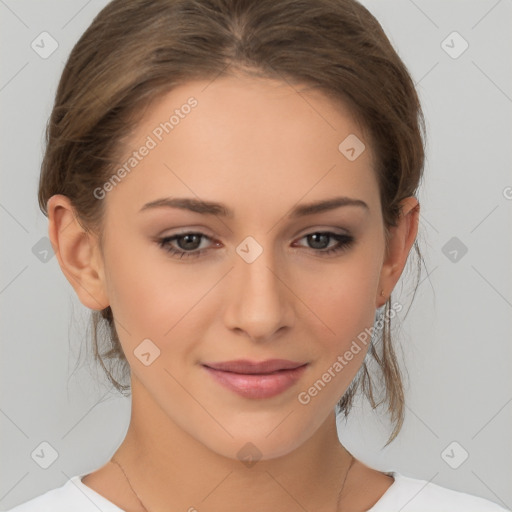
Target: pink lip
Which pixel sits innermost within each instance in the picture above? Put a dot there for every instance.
(256, 380)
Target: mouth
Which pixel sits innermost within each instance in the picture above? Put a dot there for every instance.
(252, 367)
(256, 379)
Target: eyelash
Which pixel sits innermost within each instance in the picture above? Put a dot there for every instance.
(344, 243)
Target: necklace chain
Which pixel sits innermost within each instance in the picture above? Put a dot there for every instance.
(114, 460)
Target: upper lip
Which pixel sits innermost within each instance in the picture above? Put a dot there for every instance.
(250, 367)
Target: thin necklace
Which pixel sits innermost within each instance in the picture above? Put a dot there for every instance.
(146, 510)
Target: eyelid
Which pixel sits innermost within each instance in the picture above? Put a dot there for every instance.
(343, 243)
(201, 230)
(185, 231)
(322, 229)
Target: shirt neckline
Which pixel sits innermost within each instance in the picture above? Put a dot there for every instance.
(97, 498)
(112, 507)
(390, 492)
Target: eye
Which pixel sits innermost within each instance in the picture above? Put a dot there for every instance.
(320, 240)
(189, 244)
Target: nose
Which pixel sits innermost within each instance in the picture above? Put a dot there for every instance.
(259, 301)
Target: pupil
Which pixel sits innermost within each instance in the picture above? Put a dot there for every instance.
(319, 240)
(189, 241)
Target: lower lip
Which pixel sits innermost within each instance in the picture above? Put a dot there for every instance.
(258, 385)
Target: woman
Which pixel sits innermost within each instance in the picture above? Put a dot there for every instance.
(231, 186)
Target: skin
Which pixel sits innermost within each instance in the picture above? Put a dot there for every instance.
(261, 147)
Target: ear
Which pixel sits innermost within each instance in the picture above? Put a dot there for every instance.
(77, 252)
(401, 239)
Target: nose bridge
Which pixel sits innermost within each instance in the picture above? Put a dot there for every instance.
(259, 304)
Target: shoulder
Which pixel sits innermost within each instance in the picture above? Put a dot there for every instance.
(413, 495)
(72, 495)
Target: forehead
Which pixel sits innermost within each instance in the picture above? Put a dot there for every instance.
(268, 140)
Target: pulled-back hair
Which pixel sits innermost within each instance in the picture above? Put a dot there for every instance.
(135, 51)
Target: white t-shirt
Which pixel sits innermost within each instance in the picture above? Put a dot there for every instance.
(405, 495)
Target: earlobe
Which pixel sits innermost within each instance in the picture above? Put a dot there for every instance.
(401, 239)
(77, 253)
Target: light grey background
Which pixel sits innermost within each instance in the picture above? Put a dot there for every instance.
(456, 337)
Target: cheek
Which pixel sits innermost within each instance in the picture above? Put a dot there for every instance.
(343, 295)
(149, 294)
(341, 302)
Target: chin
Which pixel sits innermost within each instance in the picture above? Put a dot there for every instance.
(262, 439)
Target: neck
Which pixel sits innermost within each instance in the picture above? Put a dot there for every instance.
(170, 470)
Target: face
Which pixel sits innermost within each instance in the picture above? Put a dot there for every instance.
(265, 280)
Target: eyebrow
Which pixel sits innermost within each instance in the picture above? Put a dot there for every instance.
(212, 208)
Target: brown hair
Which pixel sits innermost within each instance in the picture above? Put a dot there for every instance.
(137, 50)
